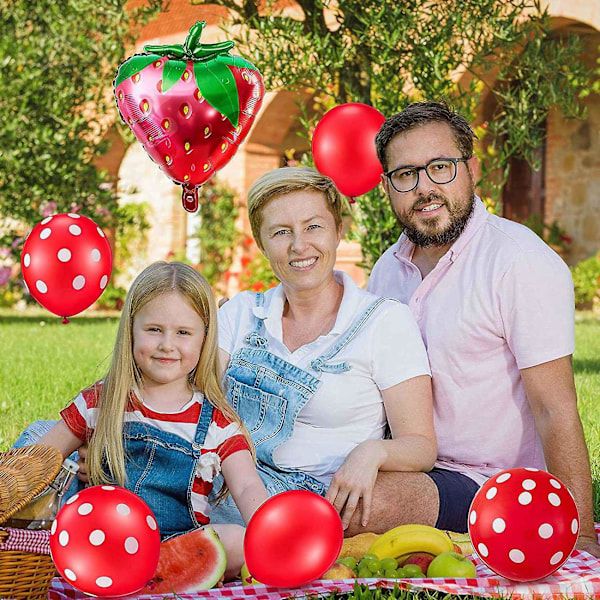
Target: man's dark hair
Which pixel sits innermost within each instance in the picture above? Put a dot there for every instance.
(422, 113)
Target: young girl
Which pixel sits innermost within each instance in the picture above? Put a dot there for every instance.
(159, 424)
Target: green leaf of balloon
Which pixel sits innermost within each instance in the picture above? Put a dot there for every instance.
(217, 84)
(172, 72)
(134, 65)
(238, 61)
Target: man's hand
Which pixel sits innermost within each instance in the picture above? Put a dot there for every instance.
(82, 474)
(588, 544)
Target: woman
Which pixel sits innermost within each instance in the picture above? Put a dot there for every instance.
(317, 367)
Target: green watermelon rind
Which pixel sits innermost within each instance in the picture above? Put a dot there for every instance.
(222, 563)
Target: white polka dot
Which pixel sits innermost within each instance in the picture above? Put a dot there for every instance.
(74, 216)
(502, 478)
(499, 525)
(72, 499)
(109, 488)
(555, 484)
(78, 282)
(528, 484)
(27, 260)
(491, 493)
(554, 499)
(74, 230)
(545, 531)
(45, 234)
(516, 556)
(97, 537)
(482, 549)
(64, 255)
(70, 575)
(123, 509)
(103, 281)
(46, 220)
(574, 526)
(151, 522)
(556, 558)
(473, 517)
(85, 509)
(131, 545)
(104, 582)
(42, 288)
(63, 538)
(100, 232)
(525, 498)
(96, 256)
(531, 469)
(53, 528)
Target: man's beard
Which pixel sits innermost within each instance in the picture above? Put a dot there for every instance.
(458, 220)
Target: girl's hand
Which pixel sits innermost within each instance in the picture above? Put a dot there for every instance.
(82, 474)
(355, 479)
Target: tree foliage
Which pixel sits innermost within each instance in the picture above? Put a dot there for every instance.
(58, 60)
(388, 53)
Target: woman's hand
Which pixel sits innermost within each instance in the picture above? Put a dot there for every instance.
(355, 480)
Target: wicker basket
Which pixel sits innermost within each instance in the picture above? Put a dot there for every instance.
(24, 473)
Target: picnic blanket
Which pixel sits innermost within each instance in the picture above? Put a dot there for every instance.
(578, 578)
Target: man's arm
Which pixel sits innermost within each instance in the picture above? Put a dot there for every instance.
(550, 388)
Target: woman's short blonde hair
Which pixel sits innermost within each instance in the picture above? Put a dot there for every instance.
(284, 181)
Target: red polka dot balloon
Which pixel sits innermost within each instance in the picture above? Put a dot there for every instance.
(66, 263)
(523, 524)
(105, 541)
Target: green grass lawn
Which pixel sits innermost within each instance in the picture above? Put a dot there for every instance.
(45, 363)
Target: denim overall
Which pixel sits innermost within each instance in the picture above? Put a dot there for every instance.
(160, 468)
(268, 392)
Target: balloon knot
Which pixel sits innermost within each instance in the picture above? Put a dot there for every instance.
(65, 321)
(352, 200)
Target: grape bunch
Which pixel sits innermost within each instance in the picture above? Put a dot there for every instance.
(371, 566)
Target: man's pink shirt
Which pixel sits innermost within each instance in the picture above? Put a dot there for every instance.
(498, 301)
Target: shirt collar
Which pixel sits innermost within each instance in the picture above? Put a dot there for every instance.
(272, 310)
(403, 249)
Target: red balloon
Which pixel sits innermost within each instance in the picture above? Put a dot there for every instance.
(523, 524)
(292, 539)
(105, 541)
(343, 146)
(190, 106)
(66, 263)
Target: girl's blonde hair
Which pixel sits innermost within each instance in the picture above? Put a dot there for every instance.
(106, 444)
(284, 181)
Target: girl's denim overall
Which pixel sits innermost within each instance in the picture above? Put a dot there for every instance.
(160, 468)
(268, 393)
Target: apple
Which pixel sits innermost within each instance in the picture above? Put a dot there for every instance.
(247, 579)
(339, 571)
(451, 564)
(421, 559)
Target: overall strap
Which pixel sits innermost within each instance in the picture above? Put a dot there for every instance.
(319, 363)
(206, 417)
(254, 338)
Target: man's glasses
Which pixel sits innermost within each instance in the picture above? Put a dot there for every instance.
(440, 171)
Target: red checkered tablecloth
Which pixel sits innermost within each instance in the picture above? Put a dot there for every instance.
(578, 578)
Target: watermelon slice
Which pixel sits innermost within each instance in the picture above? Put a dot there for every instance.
(188, 563)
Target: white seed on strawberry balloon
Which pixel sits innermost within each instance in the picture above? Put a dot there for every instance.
(186, 75)
(207, 132)
(136, 78)
(186, 177)
(187, 146)
(159, 86)
(186, 111)
(206, 167)
(223, 146)
(168, 159)
(120, 95)
(145, 106)
(166, 124)
(157, 64)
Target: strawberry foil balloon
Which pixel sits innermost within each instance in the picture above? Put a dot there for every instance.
(190, 106)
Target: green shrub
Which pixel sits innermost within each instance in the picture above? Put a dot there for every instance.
(586, 279)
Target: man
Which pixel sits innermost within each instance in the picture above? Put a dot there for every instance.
(495, 307)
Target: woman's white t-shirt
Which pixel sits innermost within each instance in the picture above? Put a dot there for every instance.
(347, 408)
